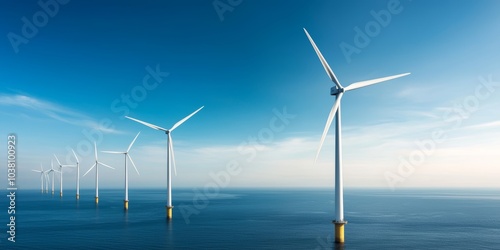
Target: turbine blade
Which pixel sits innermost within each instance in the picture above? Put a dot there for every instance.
(171, 148)
(75, 156)
(132, 143)
(133, 164)
(90, 169)
(329, 123)
(147, 124)
(328, 70)
(106, 165)
(38, 171)
(95, 150)
(58, 162)
(361, 84)
(113, 152)
(185, 118)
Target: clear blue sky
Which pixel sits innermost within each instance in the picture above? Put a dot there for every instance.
(58, 84)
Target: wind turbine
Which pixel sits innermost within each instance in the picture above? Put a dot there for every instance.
(96, 165)
(338, 91)
(61, 170)
(125, 202)
(52, 170)
(42, 176)
(77, 176)
(170, 151)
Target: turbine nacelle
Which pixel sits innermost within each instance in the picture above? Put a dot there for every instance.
(336, 90)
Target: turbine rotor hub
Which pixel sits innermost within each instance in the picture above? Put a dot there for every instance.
(335, 90)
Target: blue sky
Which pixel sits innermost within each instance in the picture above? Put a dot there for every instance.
(246, 65)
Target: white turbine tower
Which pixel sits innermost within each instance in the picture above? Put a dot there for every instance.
(46, 175)
(125, 202)
(170, 151)
(77, 176)
(52, 170)
(96, 165)
(42, 176)
(61, 170)
(338, 91)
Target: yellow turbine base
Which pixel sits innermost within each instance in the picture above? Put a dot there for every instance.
(169, 212)
(339, 231)
(77, 196)
(60, 194)
(96, 200)
(125, 205)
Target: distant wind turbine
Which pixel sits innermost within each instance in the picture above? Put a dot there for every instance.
(96, 165)
(77, 176)
(52, 170)
(61, 172)
(43, 177)
(338, 91)
(170, 151)
(125, 202)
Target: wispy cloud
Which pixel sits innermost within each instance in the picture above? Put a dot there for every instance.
(486, 125)
(54, 111)
(420, 93)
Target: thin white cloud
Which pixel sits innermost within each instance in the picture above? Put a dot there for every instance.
(54, 111)
(486, 125)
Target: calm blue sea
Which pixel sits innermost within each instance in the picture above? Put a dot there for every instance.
(255, 219)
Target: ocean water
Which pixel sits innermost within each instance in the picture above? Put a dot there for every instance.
(255, 219)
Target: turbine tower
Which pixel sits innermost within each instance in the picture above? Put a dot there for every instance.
(47, 180)
(96, 165)
(338, 91)
(125, 202)
(52, 170)
(77, 176)
(61, 172)
(170, 159)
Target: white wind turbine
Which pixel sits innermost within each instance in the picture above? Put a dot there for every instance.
(125, 202)
(170, 151)
(43, 177)
(338, 91)
(96, 165)
(61, 172)
(52, 170)
(77, 175)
